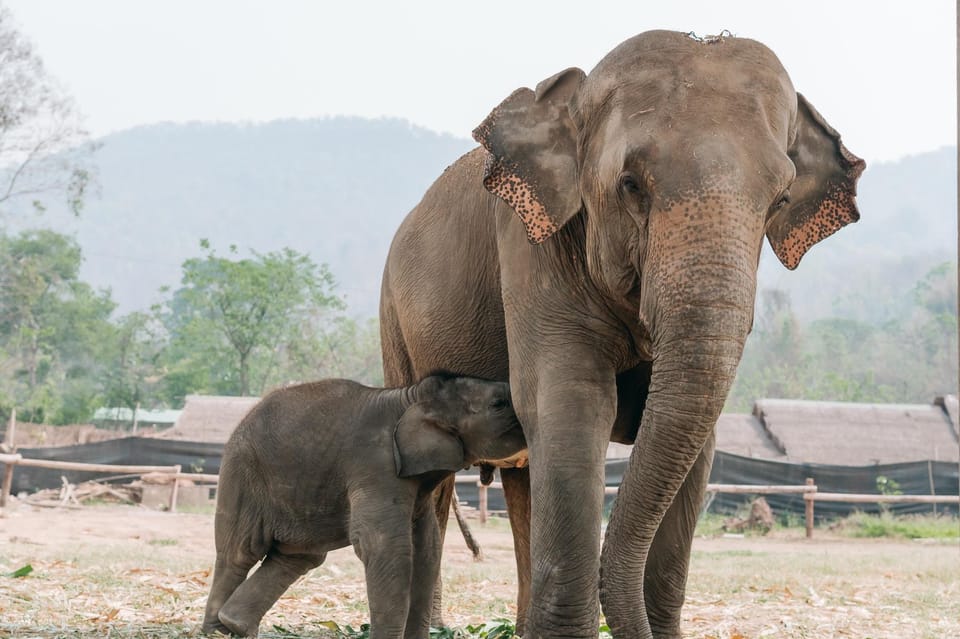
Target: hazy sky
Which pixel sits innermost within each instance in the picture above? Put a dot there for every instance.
(882, 72)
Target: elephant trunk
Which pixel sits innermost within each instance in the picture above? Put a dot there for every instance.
(702, 324)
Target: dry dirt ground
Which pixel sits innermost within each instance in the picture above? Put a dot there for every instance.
(126, 571)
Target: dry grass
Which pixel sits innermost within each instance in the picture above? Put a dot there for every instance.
(126, 572)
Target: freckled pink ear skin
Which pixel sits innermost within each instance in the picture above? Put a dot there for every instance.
(532, 164)
(823, 195)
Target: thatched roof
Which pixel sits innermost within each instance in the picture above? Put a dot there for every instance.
(841, 433)
(951, 406)
(745, 435)
(209, 418)
(852, 434)
(737, 433)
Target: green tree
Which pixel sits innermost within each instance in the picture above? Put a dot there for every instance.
(232, 319)
(911, 357)
(131, 377)
(772, 360)
(337, 347)
(52, 328)
(927, 336)
(42, 143)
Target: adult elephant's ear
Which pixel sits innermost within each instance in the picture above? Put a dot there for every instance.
(532, 166)
(424, 443)
(823, 195)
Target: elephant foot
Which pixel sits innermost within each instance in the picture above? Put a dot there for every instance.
(236, 626)
(215, 628)
(672, 633)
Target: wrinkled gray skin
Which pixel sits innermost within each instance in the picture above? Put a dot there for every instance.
(618, 305)
(329, 464)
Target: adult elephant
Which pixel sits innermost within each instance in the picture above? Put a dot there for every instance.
(619, 304)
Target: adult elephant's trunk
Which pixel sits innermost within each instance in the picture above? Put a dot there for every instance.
(701, 311)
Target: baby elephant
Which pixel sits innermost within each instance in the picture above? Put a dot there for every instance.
(328, 464)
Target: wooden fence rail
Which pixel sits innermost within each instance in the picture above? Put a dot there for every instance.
(12, 460)
(808, 490)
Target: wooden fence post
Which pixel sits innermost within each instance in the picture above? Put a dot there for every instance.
(7, 483)
(175, 489)
(11, 447)
(808, 509)
(483, 502)
(10, 438)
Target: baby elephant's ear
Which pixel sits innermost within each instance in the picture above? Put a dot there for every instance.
(423, 443)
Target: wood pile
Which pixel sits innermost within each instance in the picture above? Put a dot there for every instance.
(74, 495)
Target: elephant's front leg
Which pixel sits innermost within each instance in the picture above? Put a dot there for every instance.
(567, 441)
(426, 571)
(385, 546)
(665, 577)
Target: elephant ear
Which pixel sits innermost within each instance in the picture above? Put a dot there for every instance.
(823, 195)
(424, 443)
(532, 166)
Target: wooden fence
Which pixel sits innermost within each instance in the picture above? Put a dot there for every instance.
(808, 490)
(13, 460)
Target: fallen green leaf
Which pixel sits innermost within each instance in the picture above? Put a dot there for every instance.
(22, 571)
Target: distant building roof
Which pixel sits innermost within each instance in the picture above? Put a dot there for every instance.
(951, 406)
(209, 418)
(744, 435)
(839, 433)
(853, 434)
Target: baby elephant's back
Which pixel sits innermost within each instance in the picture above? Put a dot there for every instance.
(297, 439)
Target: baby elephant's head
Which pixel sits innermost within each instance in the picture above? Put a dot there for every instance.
(456, 422)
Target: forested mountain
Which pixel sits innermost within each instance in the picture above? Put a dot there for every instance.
(867, 270)
(337, 188)
(209, 212)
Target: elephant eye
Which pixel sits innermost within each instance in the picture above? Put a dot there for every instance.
(498, 404)
(781, 201)
(629, 183)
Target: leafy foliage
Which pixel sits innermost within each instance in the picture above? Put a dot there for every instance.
(231, 322)
(242, 326)
(236, 326)
(902, 527)
(911, 357)
(51, 328)
(41, 137)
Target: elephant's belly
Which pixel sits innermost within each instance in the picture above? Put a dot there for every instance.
(312, 536)
(313, 547)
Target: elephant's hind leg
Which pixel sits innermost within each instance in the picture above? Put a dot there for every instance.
(227, 576)
(242, 612)
(516, 492)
